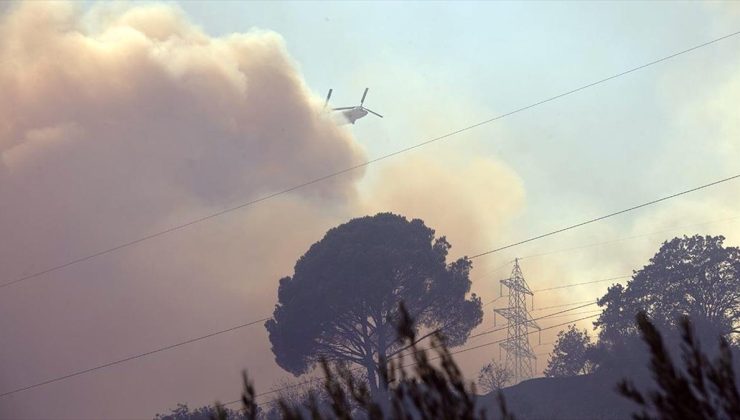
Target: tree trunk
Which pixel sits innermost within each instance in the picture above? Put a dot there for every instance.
(381, 354)
(372, 377)
(373, 366)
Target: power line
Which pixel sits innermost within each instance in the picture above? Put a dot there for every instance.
(367, 163)
(497, 269)
(182, 343)
(593, 245)
(494, 300)
(407, 365)
(581, 284)
(172, 346)
(596, 311)
(151, 352)
(533, 319)
(554, 314)
(546, 253)
(616, 213)
(130, 358)
(532, 332)
(564, 286)
(563, 305)
(626, 238)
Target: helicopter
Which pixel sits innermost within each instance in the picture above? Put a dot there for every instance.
(352, 113)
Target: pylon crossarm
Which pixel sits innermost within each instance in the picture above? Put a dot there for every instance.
(513, 284)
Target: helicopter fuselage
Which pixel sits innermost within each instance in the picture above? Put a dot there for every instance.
(354, 114)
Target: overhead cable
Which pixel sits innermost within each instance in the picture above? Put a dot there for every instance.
(222, 212)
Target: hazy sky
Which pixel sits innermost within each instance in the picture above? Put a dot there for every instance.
(123, 120)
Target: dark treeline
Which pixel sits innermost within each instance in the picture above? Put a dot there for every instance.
(340, 313)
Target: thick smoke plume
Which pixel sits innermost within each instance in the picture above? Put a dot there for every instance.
(114, 120)
(121, 121)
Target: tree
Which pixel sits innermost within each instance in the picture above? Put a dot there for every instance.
(569, 356)
(691, 276)
(341, 304)
(493, 377)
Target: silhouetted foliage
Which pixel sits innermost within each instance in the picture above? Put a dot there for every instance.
(702, 390)
(297, 395)
(690, 276)
(249, 411)
(182, 412)
(341, 304)
(570, 355)
(434, 389)
(493, 376)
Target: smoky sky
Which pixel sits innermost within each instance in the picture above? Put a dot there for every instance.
(122, 120)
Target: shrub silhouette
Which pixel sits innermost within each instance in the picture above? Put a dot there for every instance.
(430, 390)
(702, 390)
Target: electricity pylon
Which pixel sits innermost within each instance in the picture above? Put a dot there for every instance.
(520, 357)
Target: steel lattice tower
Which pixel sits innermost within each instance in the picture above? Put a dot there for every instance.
(520, 358)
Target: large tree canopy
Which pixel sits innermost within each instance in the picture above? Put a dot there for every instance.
(342, 301)
(694, 276)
